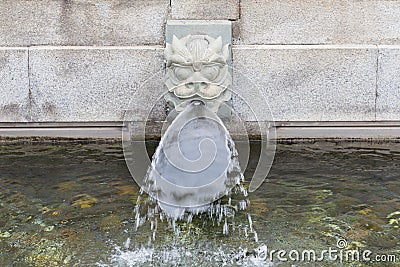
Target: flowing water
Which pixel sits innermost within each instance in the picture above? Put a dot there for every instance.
(73, 204)
(195, 163)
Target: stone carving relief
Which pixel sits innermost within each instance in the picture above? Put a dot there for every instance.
(197, 68)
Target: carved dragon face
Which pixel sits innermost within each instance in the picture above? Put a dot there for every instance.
(197, 67)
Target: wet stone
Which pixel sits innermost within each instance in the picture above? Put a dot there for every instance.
(110, 222)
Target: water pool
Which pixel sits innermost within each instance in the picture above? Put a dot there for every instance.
(72, 204)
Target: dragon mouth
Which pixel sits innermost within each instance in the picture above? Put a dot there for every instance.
(209, 92)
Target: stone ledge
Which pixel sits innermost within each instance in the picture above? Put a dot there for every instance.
(314, 130)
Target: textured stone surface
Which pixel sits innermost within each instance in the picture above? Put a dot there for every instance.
(75, 22)
(217, 9)
(14, 85)
(301, 83)
(388, 99)
(308, 83)
(182, 28)
(76, 84)
(319, 22)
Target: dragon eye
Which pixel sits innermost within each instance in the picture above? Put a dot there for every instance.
(183, 73)
(210, 72)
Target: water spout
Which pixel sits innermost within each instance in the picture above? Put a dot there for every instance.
(195, 163)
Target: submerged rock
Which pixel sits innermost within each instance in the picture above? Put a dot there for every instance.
(84, 201)
(5, 234)
(110, 222)
(394, 219)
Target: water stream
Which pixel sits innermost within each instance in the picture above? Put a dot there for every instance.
(194, 166)
(195, 163)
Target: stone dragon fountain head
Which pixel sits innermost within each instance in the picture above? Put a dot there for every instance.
(197, 68)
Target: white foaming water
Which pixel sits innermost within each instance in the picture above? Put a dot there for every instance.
(182, 256)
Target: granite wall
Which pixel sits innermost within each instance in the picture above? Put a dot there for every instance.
(85, 60)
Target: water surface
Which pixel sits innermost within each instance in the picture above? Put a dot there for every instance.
(73, 205)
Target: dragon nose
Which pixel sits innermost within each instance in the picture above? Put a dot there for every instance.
(197, 85)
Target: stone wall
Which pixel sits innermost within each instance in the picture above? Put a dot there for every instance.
(85, 60)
